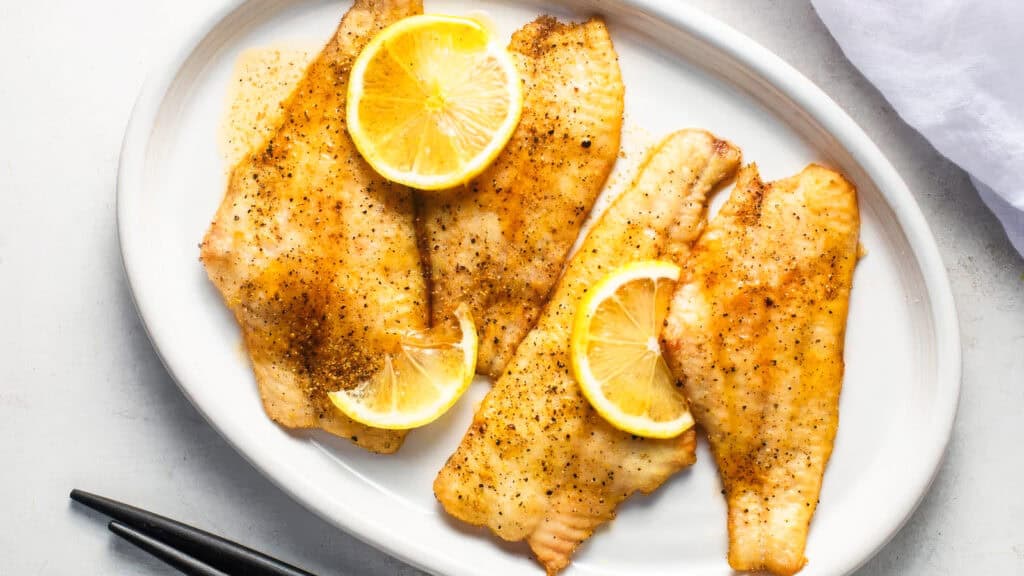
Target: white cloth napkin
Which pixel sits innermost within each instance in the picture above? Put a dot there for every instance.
(954, 70)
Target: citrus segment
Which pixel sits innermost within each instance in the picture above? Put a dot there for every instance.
(616, 353)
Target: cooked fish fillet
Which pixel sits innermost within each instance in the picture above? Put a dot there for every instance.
(538, 463)
(755, 332)
(500, 242)
(315, 253)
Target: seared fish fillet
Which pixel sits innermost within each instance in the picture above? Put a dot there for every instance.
(538, 463)
(315, 253)
(756, 334)
(500, 242)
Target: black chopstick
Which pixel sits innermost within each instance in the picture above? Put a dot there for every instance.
(210, 550)
(172, 556)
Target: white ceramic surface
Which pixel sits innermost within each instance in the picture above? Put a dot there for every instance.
(681, 69)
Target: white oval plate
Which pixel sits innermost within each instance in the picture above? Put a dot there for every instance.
(681, 69)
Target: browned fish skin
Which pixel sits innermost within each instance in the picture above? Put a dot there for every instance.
(756, 333)
(314, 252)
(500, 242)
(538, 463)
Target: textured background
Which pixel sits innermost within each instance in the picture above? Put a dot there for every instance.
(85, 402)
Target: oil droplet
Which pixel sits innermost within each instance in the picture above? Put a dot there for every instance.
(862, 251)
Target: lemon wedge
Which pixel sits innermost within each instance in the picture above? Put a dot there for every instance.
(616, 353)
(419, 382)
(432, 100)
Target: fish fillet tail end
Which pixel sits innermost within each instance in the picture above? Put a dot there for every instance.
(765, 534)
(564, 529)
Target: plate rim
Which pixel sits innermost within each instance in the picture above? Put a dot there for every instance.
(718, 36)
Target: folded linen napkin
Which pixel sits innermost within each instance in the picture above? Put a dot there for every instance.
(954, 70)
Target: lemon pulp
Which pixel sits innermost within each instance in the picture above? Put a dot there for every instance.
(419, 381)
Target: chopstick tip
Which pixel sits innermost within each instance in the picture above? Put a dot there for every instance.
(118, 528)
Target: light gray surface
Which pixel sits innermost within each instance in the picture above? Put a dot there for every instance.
(84, 401)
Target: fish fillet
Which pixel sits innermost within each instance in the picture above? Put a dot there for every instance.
(500, 243)
(314, 253)
(538, 463)
(755, 332)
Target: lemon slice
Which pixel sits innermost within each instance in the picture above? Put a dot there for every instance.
(432, 100)
(616, 353)
(420, 381)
